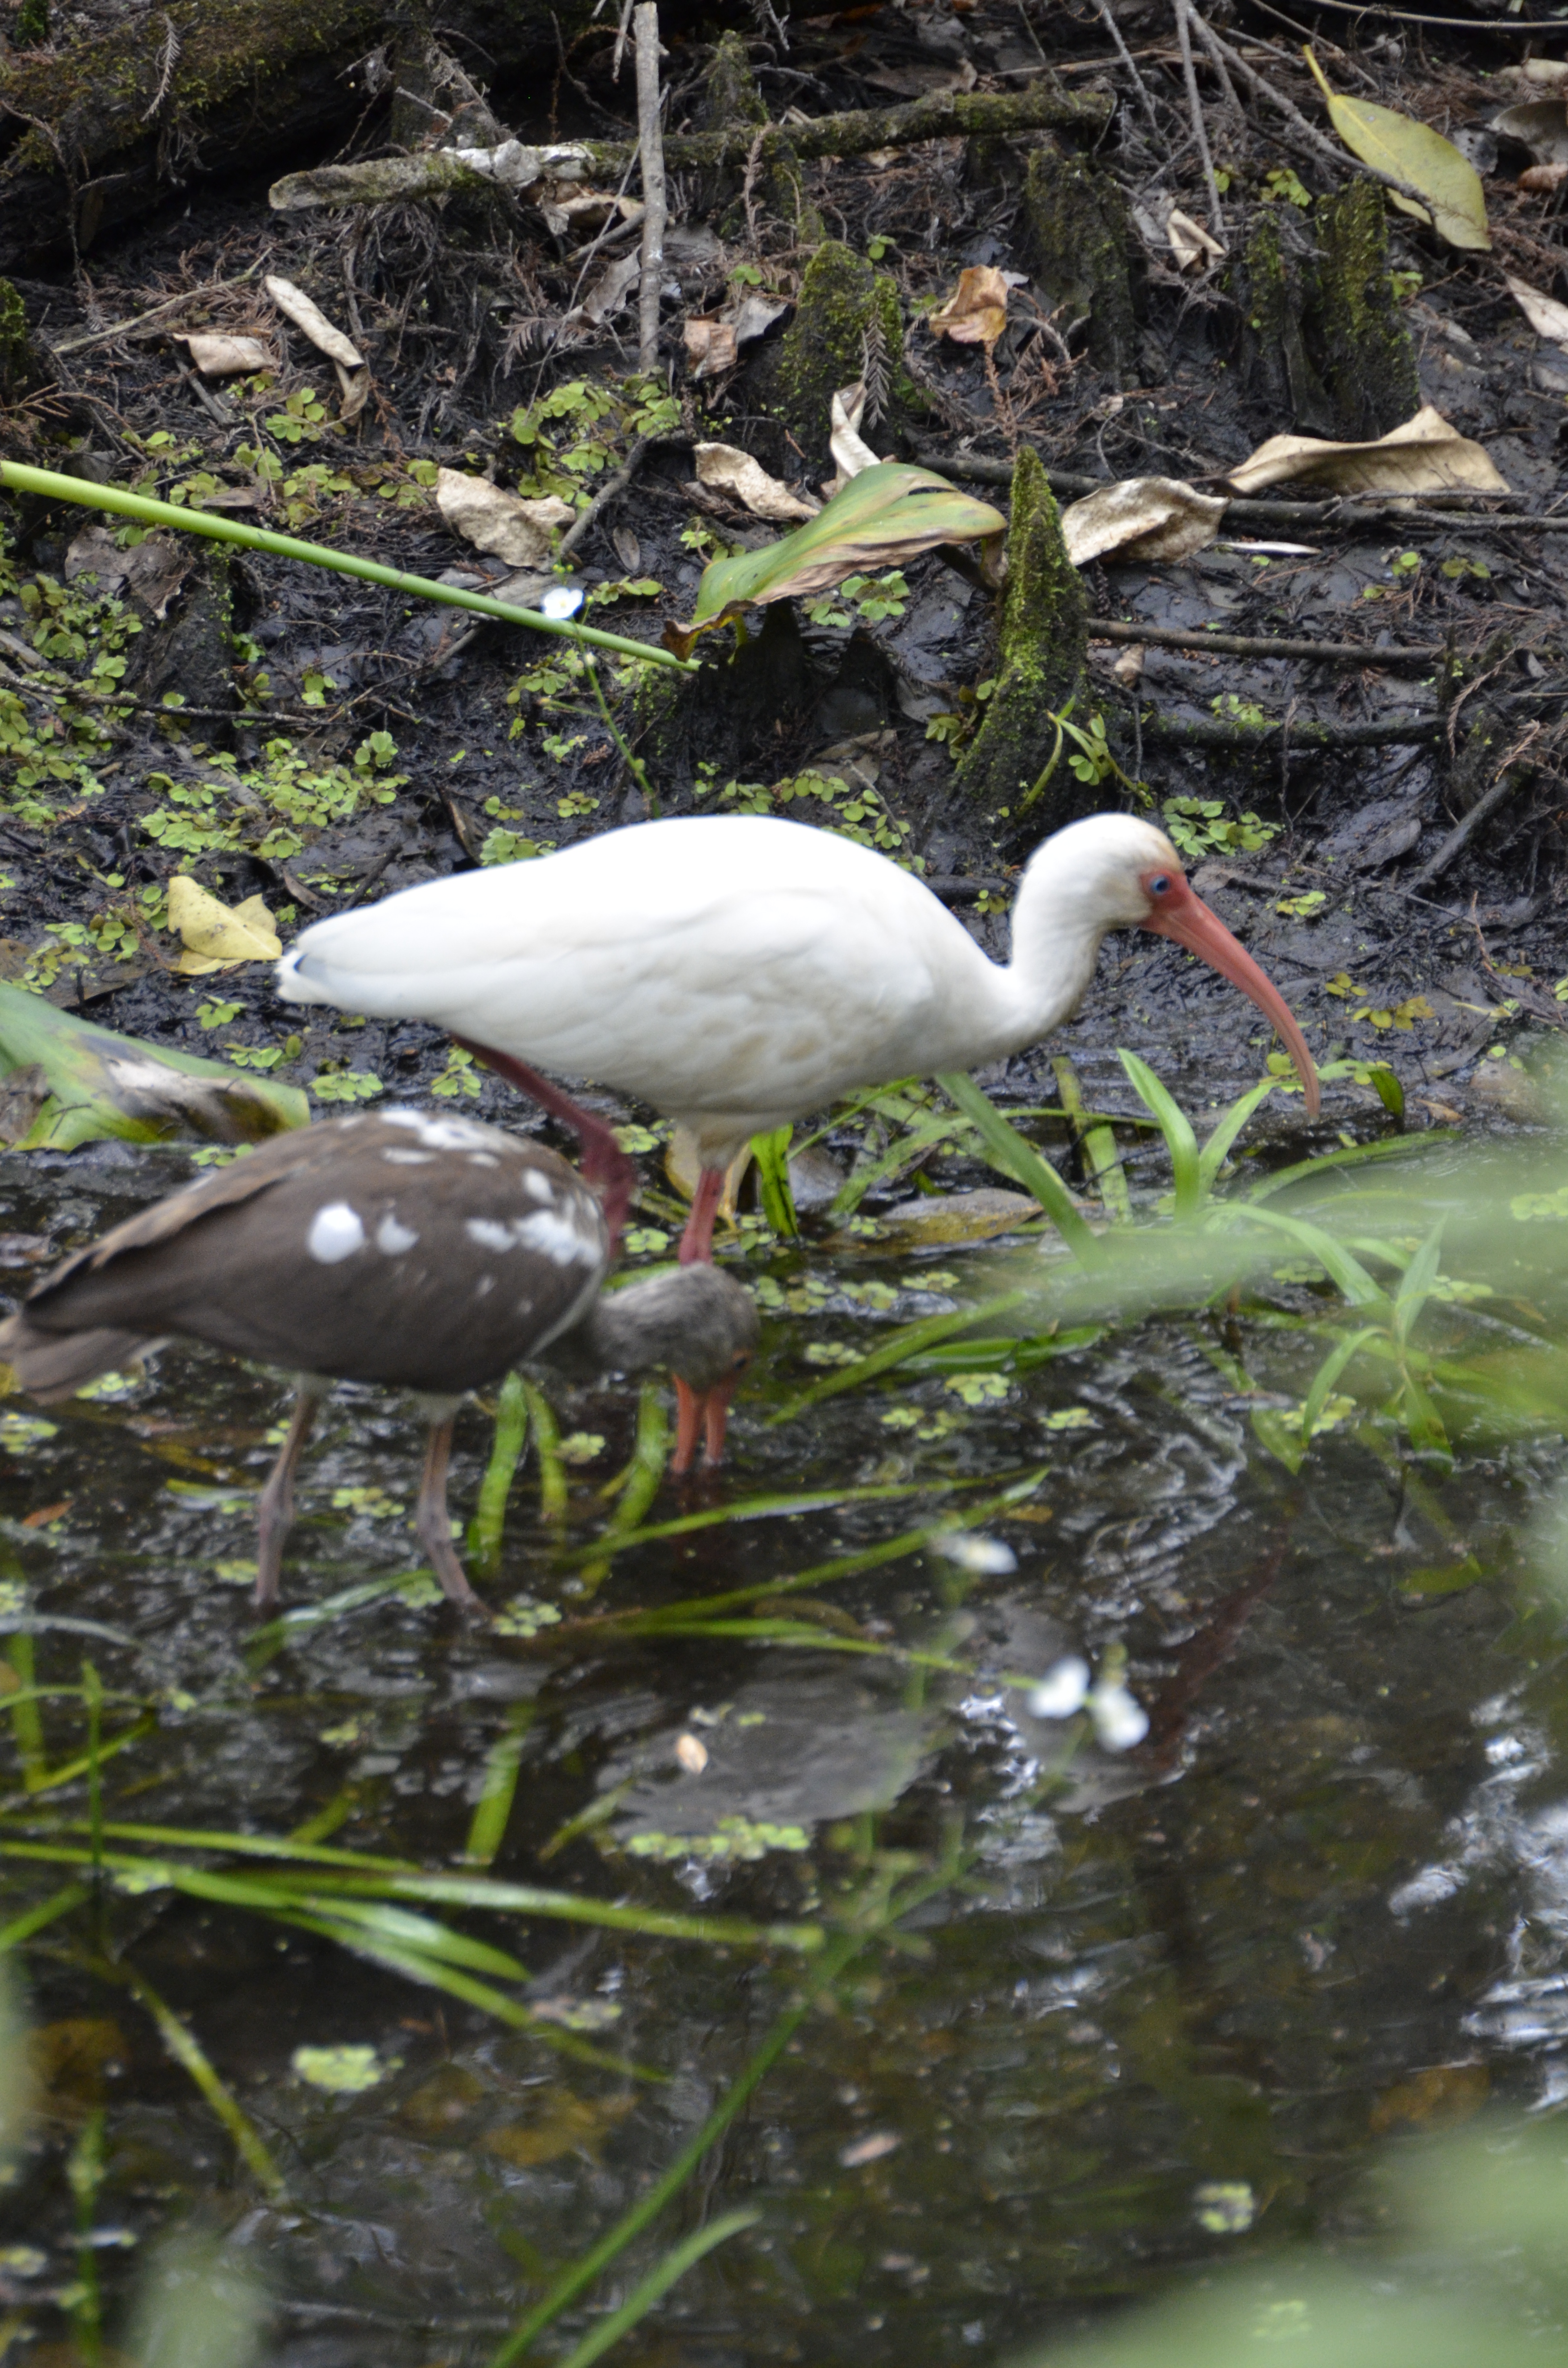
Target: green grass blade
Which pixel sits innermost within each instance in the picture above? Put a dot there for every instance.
(1327, 1374)
(33, 1919)
(492, 1810)
(754, 1509)
(1098, 1142)
(582, 2273)
(553, 1487)
(1174, 1125)
(1007, 1150)
(1360, 1154)
(909, 1340)
(27, 1719)
(489, 1520)
(905, 1150)
(1212, 1156)
(219, 528)
(771, 1153)
(1343, 1268)
(636, 1486)
(191, 2057)
(658, 2283)
(1415, 1286)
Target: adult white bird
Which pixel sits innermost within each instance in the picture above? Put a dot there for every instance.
(737, 972)
(408, 1247)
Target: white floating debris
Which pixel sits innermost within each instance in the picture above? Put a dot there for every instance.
(983, 1558)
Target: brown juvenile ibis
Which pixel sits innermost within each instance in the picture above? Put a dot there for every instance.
(737, 971)
(423, 1252)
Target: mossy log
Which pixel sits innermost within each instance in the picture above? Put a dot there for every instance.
(94, 133)
(1077, 234)
(1040, 663)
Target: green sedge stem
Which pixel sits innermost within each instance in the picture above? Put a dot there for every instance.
(638, 769)
(54, 487)
(552, 1482)
(490, 1514)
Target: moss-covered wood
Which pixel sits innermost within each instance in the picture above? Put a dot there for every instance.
(1273, 289)
(1369, 360)
(1077, 234)
(844, 306)
(20, 369)
(939, 118)
(1039, 665)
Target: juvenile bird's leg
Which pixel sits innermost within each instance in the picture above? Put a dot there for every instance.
(697, 1242)
(702, 1414)
(275, 1513)
(604, 1162)
(432, 1522)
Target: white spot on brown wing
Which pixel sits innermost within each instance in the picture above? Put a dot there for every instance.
(335, 1233)
(483, 1159)
(409, 1158)
(537, 1187)
(392, 1237)
(486, 1284)
(488, 1234)
(559, 1238)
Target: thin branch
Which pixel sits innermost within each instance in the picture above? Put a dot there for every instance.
(646, 19)
(1199, 129)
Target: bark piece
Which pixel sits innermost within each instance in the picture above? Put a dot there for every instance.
(1077, 232)
(1039, 662)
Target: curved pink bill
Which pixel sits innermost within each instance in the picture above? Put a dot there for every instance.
(1186, 917)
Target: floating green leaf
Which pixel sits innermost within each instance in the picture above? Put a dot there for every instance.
(882, 516)
(1414, 153)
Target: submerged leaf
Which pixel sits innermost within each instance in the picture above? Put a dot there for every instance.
(1413, 153)
(86, 1083)
(886, 515)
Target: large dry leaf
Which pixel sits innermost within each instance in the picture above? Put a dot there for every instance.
(736, 472)
(353, 372)
(1541, 127)
(1413, 152)
(710, 346)
(1143, 517)
(493, 519)
(1541, 179)
(609, 294)
(1423, 456)
(214, 938)
(228, 356)
(1546, 316)
(976, 312)
(887, 515)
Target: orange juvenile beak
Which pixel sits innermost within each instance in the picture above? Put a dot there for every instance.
(1186, 917)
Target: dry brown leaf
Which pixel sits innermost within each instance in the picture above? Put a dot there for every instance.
(846, 442)
(710, 346)
(1546, 316)
(1191, 243)
(353, 372)
(493, 519)
(609, 293)
(1542, 126)
(1543, 178)
(228, 356)
(214, 936)
(736, 472)
(976, 312)
(1423, 456)
(1143, 517)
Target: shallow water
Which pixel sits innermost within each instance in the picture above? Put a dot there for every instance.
(1158, 2008)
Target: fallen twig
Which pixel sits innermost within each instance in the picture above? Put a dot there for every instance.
(1263, 645)
(1464, 830)
(1243, 739)
(989, 113)
(650, 141)
(606, 495)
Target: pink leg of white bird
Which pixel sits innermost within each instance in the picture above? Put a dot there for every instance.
(697, 1242)
(604, 1162)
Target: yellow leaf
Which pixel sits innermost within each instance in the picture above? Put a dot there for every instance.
(215, 938)
(1413, 152)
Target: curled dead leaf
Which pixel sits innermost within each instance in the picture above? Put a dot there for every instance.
(1541, 127)
(710, 346)
(1546, 316)
(732, 471)
(610, 292)
(1543, 178)
(349, 363)
(1143, 518)
(228, 356)
(848, 447)
(976, 312)
(1191, 243)
(493, 519)
(214, 936)
(1423, 455)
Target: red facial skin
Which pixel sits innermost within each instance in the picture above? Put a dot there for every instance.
(1176, 911)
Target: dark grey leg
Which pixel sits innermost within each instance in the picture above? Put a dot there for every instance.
(275, 1514)
(433, 1524)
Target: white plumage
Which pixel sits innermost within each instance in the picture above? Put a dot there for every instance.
(737, 972)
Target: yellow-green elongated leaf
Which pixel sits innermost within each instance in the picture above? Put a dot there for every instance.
(881, 517)
(1176, 1128)
(92, 1083)
(1413, 152)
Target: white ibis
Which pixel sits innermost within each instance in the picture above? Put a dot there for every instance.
(737, 971)
(426, 1253)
